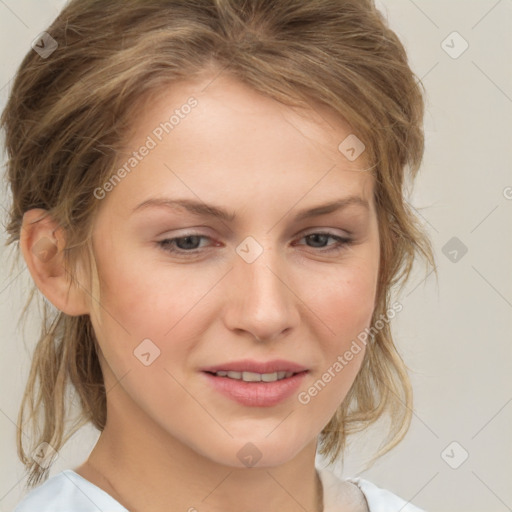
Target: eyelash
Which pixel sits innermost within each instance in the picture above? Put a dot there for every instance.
(166, 245)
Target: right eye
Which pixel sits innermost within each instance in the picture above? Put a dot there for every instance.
(183, 244)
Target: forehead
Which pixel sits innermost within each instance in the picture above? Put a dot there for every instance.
(216, 134)
(225, 104)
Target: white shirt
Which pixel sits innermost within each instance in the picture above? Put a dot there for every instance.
(67, 491)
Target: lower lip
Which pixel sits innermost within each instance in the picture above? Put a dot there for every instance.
(256, 394)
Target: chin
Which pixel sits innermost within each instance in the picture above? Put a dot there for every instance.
(254, 452)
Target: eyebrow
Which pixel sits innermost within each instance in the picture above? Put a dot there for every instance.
(208, 210)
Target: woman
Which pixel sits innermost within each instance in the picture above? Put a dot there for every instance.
(275, 138)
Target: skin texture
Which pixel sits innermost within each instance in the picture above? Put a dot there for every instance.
(170, 438)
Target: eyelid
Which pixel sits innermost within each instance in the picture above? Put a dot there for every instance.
(328, 231)
(342, 243)
(184, 232)
(309, 231)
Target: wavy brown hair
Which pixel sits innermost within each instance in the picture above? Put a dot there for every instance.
(68, 114)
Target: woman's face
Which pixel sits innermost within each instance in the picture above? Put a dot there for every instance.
(266, 287)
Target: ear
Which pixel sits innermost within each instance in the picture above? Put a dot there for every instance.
(42, 242)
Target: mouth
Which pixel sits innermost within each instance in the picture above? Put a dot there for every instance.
(253, 371)
(254, 376)
(255, 384)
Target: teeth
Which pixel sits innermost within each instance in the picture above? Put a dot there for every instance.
(251, 377)
(254, 377)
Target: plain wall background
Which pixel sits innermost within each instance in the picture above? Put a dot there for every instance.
(455, 336)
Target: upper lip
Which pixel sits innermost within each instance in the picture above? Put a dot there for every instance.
(247, 365)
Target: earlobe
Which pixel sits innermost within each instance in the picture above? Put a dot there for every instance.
(42, 242)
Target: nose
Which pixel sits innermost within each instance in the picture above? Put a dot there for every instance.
(261, 300)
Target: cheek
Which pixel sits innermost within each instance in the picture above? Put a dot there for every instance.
(355, 302)
(347, 300)
(143, 298)
(345, 309)
(349, 312)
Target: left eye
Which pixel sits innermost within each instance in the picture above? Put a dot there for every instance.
(188, 243)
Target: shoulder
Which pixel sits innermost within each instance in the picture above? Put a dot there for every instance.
(67, 491)
(378, 499)
(382, 500)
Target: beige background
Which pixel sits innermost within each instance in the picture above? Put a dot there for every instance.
(454, 336)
